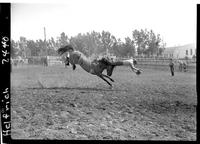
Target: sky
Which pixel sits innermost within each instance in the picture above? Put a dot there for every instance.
(174, 20)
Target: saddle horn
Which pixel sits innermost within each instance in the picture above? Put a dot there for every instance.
(64, 49)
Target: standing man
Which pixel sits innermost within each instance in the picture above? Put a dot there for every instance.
(185, 66)
(171, 65)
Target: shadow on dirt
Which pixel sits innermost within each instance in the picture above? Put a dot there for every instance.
(78, 88)
(169, 107)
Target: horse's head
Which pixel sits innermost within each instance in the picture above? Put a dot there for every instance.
(108, 66)
(110, 69)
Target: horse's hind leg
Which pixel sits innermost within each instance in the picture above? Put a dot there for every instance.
(101, 76)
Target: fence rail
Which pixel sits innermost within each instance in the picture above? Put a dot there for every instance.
(57, 60)
(160, 60)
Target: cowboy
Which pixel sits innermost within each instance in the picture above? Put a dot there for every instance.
(171, 65)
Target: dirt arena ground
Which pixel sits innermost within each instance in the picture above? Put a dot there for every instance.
(58, 103)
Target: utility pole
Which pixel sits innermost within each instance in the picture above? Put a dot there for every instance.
(45, 41)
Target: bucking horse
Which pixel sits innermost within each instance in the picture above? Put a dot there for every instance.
(95, 67)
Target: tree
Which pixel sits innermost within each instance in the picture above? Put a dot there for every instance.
(107, 41)
(34, 47)
(63, 39)
(93, 43)
(147, 42)
(118, 48)
(129, 47)
(51, 47)
(161, 48)
(22, 47)
(139, 40)
(39, 47)
(14, 49)
(78, 43)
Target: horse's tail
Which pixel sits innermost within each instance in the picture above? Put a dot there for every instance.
(64, 49)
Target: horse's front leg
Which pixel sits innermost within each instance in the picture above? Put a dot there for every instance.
(108, 77)
(73, 66)
(101, 76)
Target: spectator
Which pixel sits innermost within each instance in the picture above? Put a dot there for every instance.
(171, 65)
(184, 66)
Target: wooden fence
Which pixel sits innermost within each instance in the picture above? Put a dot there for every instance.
(54, 60)
(160, 61)
(57, 60)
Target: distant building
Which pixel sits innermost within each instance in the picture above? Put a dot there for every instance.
(184, 51)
